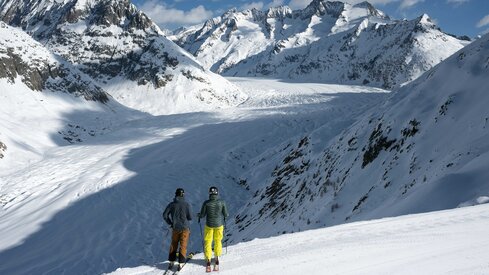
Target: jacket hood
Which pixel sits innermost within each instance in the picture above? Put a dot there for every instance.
(176, 199)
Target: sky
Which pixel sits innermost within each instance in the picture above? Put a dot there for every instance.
(459, 17)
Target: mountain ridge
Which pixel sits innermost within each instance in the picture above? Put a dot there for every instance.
(332, 42)
(124, 52)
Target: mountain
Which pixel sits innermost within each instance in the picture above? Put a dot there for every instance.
(426, 148)
(46, 101)
(331, 42)
(124, 51)
(26, 60)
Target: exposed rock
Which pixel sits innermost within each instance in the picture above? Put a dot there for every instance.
(22, 57)
(3, 149)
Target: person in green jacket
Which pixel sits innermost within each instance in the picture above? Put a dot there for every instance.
(215, 212)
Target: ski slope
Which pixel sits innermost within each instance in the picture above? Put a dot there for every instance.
(445, 242)
(94, 206)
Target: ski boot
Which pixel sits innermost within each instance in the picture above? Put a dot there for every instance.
(216, 264)
(208, 266)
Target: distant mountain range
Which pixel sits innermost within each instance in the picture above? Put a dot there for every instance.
(332, 42)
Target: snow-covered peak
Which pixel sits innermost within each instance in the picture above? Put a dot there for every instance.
(332, 42)
(337, 9)
(280, 12)
(371, 10)
(321, 7)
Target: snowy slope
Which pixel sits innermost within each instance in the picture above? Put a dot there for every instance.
(23, 57)
(45, 101)
(426, 148)
(95, 206)
(125, 52)
(331, 42)
(444, 242)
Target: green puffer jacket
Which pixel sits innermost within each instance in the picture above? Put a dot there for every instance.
(215, 210)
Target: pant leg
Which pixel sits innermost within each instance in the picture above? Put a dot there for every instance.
(218, 236)
(184, 236)
(208, 235)
(172, 255)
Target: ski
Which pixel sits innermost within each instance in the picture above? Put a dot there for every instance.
(169, 269)
(189, 257)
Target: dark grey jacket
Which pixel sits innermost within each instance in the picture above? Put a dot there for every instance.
(215, 210)
(177, 214)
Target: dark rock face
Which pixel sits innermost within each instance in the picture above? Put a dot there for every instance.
(121, 50)
(104, 39)
(38, 72)
(3, 148)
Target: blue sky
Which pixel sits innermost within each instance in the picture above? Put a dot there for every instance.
(459, 17)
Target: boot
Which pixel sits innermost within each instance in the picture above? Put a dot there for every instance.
(216, 264)
(208, 266)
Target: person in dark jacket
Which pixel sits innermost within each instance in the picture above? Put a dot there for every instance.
(177, 215)
(215, 212)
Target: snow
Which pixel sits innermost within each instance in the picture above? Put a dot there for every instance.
(444, 242)
(94, 206)
(328, 42)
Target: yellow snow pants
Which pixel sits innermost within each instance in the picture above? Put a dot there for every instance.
(211, 233)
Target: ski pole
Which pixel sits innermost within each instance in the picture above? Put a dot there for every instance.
(224, 234)
(227, 238)
(202, 237)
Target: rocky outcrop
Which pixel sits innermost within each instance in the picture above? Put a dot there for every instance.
(22, 58)
(120, 48)
(3, 149)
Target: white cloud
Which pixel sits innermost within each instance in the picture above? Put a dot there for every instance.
(275, 3)
(483, 22)
(298, 4)
(168, 17)
(409, 3)
(249, 6)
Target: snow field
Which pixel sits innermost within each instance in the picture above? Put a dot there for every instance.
(445, 242)
(94, 206)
